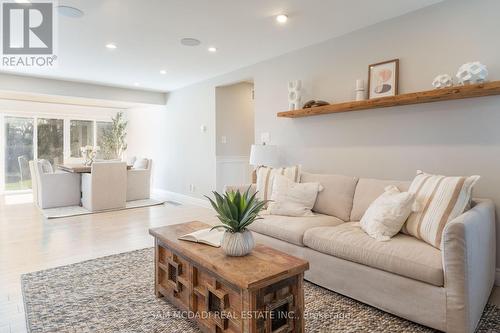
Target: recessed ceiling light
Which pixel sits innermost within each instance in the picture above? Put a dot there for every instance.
(212, 49)
(282, 18)
(163, 72)
(136, 84)
(69, 11)
(111, 46)
(190, 42)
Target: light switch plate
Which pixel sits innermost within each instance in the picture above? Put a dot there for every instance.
(223, 139)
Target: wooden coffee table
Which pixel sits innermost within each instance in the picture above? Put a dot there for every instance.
(261, 292)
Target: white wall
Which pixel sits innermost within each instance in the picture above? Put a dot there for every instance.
(454, 138)
(182, 153)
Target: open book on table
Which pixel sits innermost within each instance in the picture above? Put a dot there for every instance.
(204, 236)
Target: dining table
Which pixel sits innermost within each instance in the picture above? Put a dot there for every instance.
(79, 167)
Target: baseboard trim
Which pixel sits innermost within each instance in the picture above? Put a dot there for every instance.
(179, 197)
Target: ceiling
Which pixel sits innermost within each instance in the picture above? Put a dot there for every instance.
(147, 35)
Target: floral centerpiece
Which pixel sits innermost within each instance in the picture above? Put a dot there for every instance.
(89, 154)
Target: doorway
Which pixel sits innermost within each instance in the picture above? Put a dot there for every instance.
(235, 133)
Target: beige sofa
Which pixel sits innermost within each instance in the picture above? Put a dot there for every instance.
(445, 289)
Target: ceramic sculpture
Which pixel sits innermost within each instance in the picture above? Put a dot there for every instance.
(294, 94)
(442, 81)
(472, 72)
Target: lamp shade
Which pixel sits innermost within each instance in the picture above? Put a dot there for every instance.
(264, 155)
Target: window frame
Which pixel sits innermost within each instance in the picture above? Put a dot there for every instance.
(44, 115)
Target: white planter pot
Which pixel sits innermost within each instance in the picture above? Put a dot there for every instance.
(237, 244)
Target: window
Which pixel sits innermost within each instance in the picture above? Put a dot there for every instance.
(50, 139)
(103, 127)
(81, 134)
(18, 152)
(54, 138)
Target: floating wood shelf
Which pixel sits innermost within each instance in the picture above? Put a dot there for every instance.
(437, 95)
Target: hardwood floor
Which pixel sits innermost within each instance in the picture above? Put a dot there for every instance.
(28, 242)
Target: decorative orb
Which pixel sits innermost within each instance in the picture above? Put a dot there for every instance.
(472, 72)
(442, 81)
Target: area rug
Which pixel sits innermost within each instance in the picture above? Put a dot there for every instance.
(59, 212)
(116, 294)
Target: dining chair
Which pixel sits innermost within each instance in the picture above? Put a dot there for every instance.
(139, 181)
(105, 187)
(53, 189)
(23, 167)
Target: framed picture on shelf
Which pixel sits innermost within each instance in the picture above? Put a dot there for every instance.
(383, 79)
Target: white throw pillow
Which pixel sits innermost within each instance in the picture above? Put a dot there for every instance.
(292, 199)
(386, 215)
(140, 163)
(265, 179)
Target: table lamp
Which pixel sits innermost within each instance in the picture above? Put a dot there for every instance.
(263, 155)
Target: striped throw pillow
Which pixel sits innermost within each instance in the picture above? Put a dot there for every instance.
(438, 199)
(265, 179)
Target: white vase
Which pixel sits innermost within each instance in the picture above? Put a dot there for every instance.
(237, 244)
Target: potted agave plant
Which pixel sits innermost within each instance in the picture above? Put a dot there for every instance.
(237, 211)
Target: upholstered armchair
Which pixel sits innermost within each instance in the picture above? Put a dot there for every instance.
(139, 180)
(105, 187)
(54, 189)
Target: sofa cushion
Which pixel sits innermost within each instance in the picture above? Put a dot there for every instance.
(291, 229)
(337, 195)
(292, 199)
(403, 255)
(440, 199)
(387, 214)
(265, 179)
(367, 190)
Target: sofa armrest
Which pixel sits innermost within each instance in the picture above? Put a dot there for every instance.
(469, 255)
(242, 188)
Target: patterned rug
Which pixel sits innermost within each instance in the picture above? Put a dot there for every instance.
(116, 294)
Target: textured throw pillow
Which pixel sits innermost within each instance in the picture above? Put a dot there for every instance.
(265, 179)
(140, 163)
(292, 199)
(386, 215)
(440, 199)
